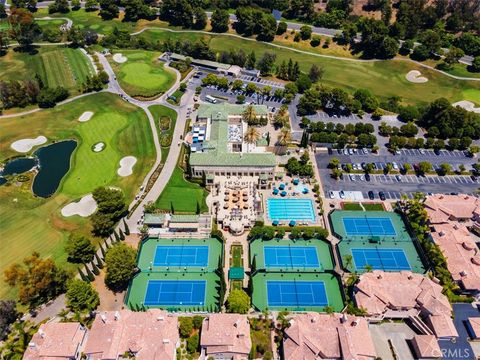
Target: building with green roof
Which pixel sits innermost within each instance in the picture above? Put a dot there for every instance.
(224, 151)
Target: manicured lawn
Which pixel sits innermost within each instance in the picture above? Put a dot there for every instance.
(56, 66)
(352, 206)
(35, 224)
(373, 207)
(383, 78)
(236, 254)
(143, 74)
(472, 95)
(183, 194)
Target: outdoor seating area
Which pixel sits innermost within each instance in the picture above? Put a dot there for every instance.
(237, 203)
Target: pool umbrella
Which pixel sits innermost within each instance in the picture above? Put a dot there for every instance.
(227, 198)
(225, 206)
(283, 193)
(282, 186)
(235, 199)
(305, 191)
(275, 191)
(292, 223)
(227, 191)
(275, 222)
(245, 206)
(295, 181)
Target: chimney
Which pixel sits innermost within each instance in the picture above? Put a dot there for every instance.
(104, 318)
(42, 333)
(455, 226)
(355, 322)
(410, 277)
(116, 315)
(379, 276)
(313, 320)
(236, 323)
(32, 345)
(441, 233)
(463, 273)
(344, 318)
(160, 318)
(166, 341)
(240, 335)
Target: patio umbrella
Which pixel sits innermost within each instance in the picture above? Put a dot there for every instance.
(292, 223)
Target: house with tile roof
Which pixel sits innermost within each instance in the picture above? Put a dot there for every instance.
(59, 341)
(226, 336)
(328, 336)
(149, 335)
(426, 347)
(406, 295)
(224, 151)
(451, 218)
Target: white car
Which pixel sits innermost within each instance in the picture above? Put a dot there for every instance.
(331, 194)
(342, 194)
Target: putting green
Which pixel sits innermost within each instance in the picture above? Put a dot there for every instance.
(35, 224)
(143, 74)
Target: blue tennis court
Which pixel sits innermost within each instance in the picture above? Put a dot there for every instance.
(181, 256)
(296, 293)
(290, 209)
(381, 259)
(290, 256)
(367, 226)
(175, 292)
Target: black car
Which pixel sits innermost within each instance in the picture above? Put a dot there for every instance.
(367, 177)
(371, 195)
(473, 177)
(381, 194)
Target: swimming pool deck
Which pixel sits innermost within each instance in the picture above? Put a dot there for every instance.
(138, 287)
(401, 240)
(323, 252)
(331, 283)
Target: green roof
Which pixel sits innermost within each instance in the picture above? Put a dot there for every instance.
(184, 218)
(154, 219)
(217, 153)
(236, 273)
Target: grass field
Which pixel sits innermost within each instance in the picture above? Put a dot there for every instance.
(56, 65)
(352, 206)
(373, 207)
(159, 111)
(183, 194)
(34, 224)
(383, 78)
(143, 74)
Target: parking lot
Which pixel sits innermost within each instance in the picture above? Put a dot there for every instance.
(395, 185)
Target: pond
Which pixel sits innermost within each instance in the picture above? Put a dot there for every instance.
(17, 166)
(54, 162)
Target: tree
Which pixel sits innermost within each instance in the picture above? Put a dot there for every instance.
(220, 20)
(282, 117)
(197, 322)
(192, 343)
(23, 27)
(249, 115)
(79, 249)
(251, 61)
(4, 41)
(316, 73)
(127, 229)
(111, 207)
(241, 99)
(368, 101)
(8, 314)
(81, 296)
(475, 67)
(3, 12)
(252, 135)
(285, 137)
(303, 83)
(454, 54)
(75, 5)
(201, 18)
(185, 326)
(334, 163)
(177, 12)
(120, 263)
(238, 302)
(108, 9)
(306, 32)
(445, 169)
(266, 63)
(38, 280)
(91, 5)
(136, 10)
(60, 6)
(424, 167)
(281, 28)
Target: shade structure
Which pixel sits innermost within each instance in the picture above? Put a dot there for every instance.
(283, 193)
(275, 222)
(226, 198)
(305, 191)
(275, 191)
(295, 181)
(292, 223)
(282, 186)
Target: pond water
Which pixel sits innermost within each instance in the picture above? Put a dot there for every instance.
(54, 164)
(17, 166)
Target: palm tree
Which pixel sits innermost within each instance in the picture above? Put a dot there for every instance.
(251, 136)
(285, 137)
(282, 117)
(249, 115)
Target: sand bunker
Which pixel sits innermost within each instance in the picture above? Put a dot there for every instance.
(119, 58)
(414, 76)
(85, 207)
(468, 105)
(126, 165)
(87, 115)
(25, 145)
(98, 147)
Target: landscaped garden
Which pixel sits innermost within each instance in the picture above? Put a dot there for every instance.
(35, 224)
(142, 74)
(165, 120)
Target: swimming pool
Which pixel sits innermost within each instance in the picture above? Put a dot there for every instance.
(290, 209)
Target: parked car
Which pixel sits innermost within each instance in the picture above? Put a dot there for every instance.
(371, 195)
(331, 194)
(353, 177)
(342, 194)
(381, 194)
(398, 177)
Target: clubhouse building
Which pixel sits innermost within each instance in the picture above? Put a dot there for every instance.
(219, 148)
